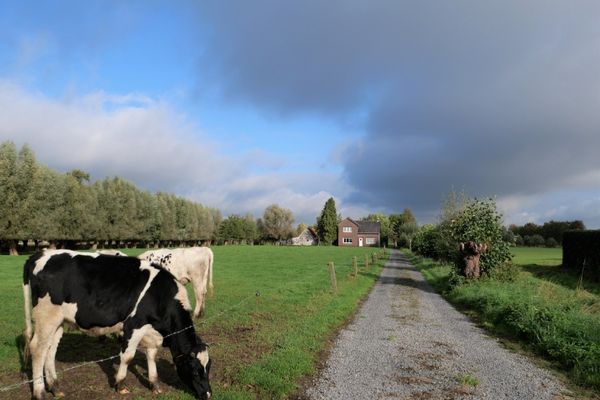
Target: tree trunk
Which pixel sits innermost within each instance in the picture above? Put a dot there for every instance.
(12, 248)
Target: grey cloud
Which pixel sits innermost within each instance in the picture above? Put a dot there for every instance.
(499, 98)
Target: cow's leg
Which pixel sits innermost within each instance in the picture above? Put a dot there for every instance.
(152, 373)
(131, 341)
(38, 348)
(48, 318)
(199, 292)
(50, 367)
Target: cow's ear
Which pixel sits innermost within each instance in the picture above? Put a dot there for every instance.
(462, 247)
(193, 354)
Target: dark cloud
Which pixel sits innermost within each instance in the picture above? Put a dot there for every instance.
(498, 98)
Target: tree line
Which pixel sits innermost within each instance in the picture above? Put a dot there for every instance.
(550, 234)
(39, 204)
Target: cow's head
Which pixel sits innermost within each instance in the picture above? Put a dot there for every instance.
(193, 370)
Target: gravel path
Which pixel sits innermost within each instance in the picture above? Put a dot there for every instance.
(406, 342)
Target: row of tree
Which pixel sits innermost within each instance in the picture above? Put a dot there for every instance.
(37, 203)
(549, 234)
(276, 225)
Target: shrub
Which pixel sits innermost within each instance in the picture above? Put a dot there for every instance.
(424, 241)
(434, 242)
(480, 222)
(551, 242)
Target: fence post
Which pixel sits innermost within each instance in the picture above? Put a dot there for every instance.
(366, 261)
(333, 279)
(354, 267)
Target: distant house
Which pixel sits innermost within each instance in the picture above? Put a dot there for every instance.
(308, 237)
(359, 233)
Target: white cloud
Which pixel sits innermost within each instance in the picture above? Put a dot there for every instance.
(148, 142)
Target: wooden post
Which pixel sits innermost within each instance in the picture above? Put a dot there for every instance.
(354, 267)
(333, 279)
(366, 261)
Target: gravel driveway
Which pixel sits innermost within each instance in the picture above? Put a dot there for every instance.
(406, 342)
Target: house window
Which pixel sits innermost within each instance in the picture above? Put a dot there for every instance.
(370, 240)
(347, 240)
(347, 229)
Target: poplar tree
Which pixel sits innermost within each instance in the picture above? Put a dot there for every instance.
(9, 199)
(168, 221)
(76, 219)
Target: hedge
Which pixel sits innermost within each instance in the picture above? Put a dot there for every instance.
(581, 252)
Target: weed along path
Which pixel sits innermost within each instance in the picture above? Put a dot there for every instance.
(407, 342)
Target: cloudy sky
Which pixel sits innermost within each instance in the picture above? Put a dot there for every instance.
(380, 104)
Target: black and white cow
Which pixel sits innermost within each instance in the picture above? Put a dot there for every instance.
(102, 294)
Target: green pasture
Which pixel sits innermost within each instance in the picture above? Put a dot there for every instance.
(537, 255)
(544, 309)
(270, 319)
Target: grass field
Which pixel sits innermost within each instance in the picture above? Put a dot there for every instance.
(272, 314)
(545, 309)
(537, 256)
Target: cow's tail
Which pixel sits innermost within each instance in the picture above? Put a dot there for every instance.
(28, 332)
(27, 274)
(211, 288)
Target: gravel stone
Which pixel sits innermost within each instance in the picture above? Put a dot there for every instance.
(407, 342)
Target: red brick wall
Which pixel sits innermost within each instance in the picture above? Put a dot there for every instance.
(353, 235)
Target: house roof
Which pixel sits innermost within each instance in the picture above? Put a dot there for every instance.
(367, 226)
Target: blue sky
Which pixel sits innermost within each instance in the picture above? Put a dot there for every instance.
(380, 104)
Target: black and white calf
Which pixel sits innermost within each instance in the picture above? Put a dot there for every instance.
(102, 294)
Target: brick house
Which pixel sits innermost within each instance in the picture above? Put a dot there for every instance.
(359, 233)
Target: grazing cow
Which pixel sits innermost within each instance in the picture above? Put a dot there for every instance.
(102, 294)
(193, 264)
(471, 252)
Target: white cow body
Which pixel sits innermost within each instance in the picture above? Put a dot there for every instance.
(191, 264)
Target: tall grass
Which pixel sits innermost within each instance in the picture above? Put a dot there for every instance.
(544, 308)
(272, 314)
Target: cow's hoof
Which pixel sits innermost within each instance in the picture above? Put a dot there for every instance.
(124, 390)
(156, 390)
(56, 392)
